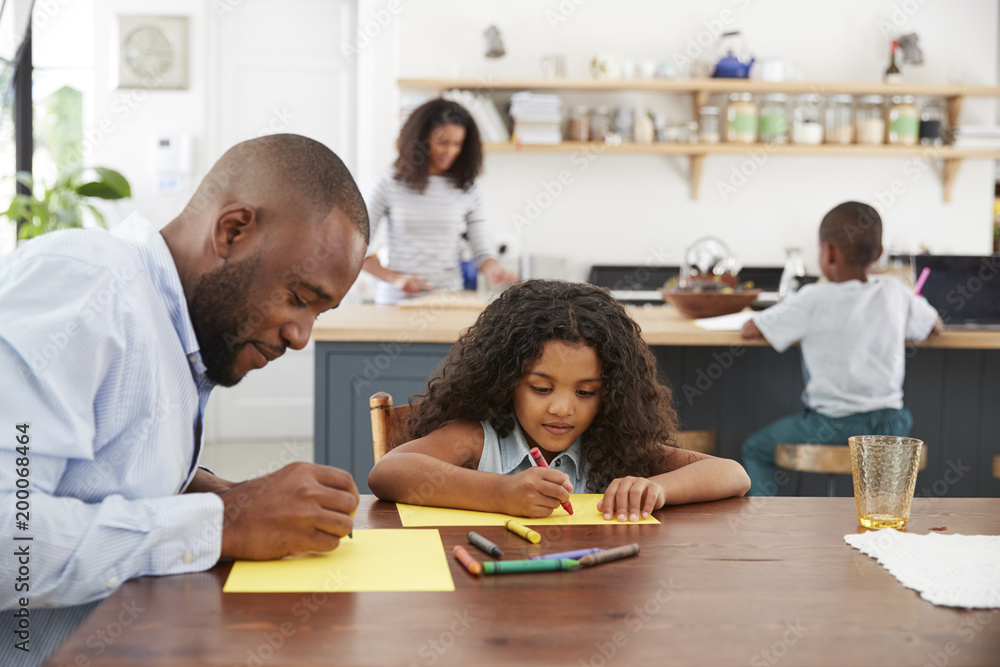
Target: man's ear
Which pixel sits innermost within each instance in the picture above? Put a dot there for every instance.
(881, 249)
(833, 255)
(235, 232)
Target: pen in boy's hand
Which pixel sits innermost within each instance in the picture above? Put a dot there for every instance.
(539, 460)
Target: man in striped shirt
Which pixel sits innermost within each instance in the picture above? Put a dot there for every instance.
(110, 344)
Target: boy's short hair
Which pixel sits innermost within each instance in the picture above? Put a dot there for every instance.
(856, 230)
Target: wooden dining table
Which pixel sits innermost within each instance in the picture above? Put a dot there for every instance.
(744, 581)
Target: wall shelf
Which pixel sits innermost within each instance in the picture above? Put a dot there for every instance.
(701, 89)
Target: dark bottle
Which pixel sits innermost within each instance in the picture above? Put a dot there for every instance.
(892, 73)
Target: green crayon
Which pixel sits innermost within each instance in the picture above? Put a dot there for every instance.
(515, 566)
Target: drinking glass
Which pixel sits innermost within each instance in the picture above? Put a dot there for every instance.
(884, 469)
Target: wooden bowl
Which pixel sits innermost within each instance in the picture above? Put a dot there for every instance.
(695, 305)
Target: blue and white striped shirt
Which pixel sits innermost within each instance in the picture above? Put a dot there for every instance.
(99, 357)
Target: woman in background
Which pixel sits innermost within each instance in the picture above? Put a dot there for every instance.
(429, 199)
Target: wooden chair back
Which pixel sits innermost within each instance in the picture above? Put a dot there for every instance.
(697, 441)
(387, 422)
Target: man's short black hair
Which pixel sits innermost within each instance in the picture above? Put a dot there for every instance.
(856, 230)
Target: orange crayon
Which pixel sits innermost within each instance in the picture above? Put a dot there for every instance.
(470, 563)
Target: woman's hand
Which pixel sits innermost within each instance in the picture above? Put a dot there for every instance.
(496, 274)
(411, 283)
(630, 498)
(535, 492)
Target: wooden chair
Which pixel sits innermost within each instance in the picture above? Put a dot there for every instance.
(996, 467)
(697, 441)
(387, 420)
(829, 460)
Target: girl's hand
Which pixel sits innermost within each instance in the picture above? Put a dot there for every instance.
(535, 492)
(631, 498)
(410, 283)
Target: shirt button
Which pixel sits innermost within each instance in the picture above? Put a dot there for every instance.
(188, 557)
(558, 463)
(112, 582)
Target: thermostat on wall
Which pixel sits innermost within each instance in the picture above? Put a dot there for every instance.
(174, 162)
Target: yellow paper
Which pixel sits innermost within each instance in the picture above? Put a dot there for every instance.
(373, 560)
(584, 514)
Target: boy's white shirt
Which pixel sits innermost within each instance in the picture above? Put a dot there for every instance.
(853, 337)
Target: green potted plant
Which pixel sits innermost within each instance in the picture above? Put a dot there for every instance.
(64, 204)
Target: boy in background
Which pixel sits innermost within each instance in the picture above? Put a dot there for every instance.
(852, 332)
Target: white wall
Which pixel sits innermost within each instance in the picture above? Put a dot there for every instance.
(636, 209)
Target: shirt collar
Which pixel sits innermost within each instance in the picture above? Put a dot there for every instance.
(156, 257)
(512, 457)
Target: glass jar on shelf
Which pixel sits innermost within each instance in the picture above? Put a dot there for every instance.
(807, 124)
(741, 119)
(904, 121)
(773, 122)
(932, 122)
(839, 120)
(579, 124)
(600, 123)
(869, 120)
(709, 124)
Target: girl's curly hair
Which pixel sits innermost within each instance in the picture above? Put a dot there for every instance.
(477, 379)
(414, 145)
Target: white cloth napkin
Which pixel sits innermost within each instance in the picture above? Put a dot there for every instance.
(948, 570)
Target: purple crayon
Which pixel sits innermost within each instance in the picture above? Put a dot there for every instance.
(575, 555)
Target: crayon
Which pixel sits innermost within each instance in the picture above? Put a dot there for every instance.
(540, 462)
(484, 544)
(921, 280)
(470, 563)
(610, 555)
(516, 566)
(576, 555)
(523, 531)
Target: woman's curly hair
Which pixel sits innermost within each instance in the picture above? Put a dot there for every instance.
(477, 379)
(414, 145)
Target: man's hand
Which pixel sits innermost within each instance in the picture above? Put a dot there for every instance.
(302, 507)
(205, 482)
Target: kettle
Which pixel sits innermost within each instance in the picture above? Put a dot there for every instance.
(733, 64)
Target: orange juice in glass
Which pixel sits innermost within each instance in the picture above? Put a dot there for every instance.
(884, 469)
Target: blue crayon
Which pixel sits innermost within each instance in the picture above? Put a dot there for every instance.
(575, 555)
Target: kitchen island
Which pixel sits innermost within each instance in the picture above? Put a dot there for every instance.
(721, 382)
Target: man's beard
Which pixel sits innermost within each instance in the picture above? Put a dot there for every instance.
(219, 308)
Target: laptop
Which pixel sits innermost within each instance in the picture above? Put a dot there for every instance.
(964, 289)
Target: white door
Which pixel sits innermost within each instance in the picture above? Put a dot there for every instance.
(277, 66)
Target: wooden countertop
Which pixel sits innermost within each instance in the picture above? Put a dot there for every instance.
(436, 322)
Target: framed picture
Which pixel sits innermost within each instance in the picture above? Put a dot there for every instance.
(153, 52)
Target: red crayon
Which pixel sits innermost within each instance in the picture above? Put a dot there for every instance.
(540, 462)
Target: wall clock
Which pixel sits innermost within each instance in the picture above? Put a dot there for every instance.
(153, 52)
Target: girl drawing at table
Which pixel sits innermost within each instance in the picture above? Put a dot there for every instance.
(562, 367)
